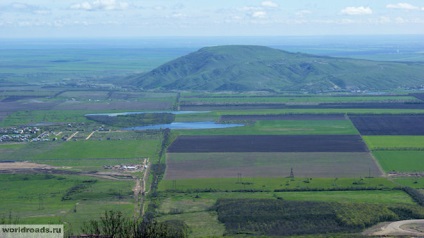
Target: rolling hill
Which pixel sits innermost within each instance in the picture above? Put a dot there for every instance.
(259, 68)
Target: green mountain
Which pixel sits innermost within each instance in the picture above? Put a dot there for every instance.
(258, 68)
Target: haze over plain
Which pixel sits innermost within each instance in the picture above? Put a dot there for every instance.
(130, 18)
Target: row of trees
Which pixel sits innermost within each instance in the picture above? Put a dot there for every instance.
(113, 224)
(415, 194)
(279, 217)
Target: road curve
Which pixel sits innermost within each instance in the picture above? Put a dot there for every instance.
(395, 228)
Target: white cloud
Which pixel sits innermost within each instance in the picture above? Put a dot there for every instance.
(259, 14)
(402, 5)
(303, 13)
(178, 15)
(270, 4)
(400, 20)
(357, 11)
(384, 19)
(96, 5)
(249, 9)
(24, 8)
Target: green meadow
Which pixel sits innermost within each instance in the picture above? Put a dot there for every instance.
(271, 184)
(80, 150)
(45, 198)
(231, 99)
(39, 116)
(283, 127)
(83, 155)
(394, 142)
(401, 161)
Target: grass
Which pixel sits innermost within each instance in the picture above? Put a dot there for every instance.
(231, 99)
(214, 115)
(80, 150)
(414, 182)
(401, 161)
(188, 203)
(283, 127)
(394, 142)
(189, 206)
(202, 224)
(378, 197)
(271, 184)
(83, 155)
(37, 116)
(37, 199)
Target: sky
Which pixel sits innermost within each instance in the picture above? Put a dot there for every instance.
(147, 18)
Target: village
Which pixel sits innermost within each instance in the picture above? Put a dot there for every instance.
(24, 134)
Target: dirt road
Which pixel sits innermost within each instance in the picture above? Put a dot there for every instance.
(402, 228)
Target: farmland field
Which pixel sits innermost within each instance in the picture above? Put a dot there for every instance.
(306, 117)
(272, 217)
(231, 99)
(197, 210)
(395, 142)
(262, 143)
(80, 150)
(303, 163)
(83, 155)
(401, 161)
(283, 127)
(283, 184)
(35, 199)
(276, 106)
(229, 165)
(389, 124)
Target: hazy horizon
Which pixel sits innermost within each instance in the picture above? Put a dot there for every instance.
(162, 18)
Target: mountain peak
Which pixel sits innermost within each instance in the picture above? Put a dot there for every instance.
(260, 68)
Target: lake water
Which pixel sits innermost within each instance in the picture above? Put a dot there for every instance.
(185, 126)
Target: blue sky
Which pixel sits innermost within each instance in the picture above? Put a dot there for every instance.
(130, 18)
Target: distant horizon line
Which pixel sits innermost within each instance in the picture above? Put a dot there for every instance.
(203, 36)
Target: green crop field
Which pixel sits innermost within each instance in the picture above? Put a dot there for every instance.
(271, 184)
(214, 115)
(34, 116)
(83, 155)
(231, 99)
(100, 149)
(188, 203)
(413, 182)
(284, 127)
(394, 142)
(52, 198)
(401, 161)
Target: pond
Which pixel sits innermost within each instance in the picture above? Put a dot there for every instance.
(185, 126)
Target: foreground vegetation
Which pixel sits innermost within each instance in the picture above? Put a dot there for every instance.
(277, 217)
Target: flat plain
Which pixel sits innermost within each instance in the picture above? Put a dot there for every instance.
(270, 164)
(324, 150)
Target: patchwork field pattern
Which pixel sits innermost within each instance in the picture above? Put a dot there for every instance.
(230, 165)
(268, 143)
(283, 117)
(401, 161)
(394, 142)
(389, 124)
